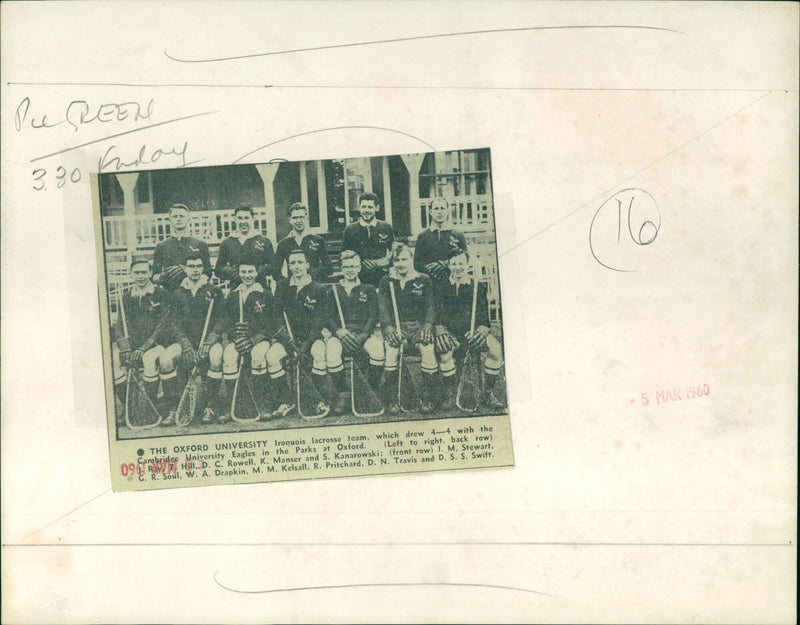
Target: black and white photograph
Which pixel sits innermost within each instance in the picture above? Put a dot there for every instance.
(290, 295)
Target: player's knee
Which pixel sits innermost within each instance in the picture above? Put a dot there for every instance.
(495, 351)
(230, 357)
(318, 350)
(215, 357)
(375, 349)
(333, 352)
(259, 352)
(275, 354)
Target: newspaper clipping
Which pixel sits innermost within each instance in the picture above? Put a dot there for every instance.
(301, 320)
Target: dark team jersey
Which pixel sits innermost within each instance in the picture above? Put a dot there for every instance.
(316, 254)
(146, 317)
(359, 308)
(370, 243)
(259, 309)
(257, 248)
(307, 308)
(435, 245)
(189, 311)
(414, 300)
(174, 251)
(454, 306)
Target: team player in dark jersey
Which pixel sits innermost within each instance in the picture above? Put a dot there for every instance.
(146, 308)
(313, 245)
(254, 340)
(453, 335)
(307, 305)
(359, 304)
(437, 243)
(189, 308)
(170, 254)
(246, 242)
(371, 239)
(414, 296)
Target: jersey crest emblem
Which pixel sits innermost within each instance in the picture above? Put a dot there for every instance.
(310, 302)
(259, 245)
(194, 248)
(313, 245)
(154, 305)
(416, 289)
(259, 307)
(383, 237)
(454, 244)
(362, 297)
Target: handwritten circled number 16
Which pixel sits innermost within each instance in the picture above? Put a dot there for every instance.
(624, 224)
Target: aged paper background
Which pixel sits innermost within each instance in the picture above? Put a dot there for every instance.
(683, 511)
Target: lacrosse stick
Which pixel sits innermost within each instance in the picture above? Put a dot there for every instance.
(310, 404)
(370, 404)
(187, 406)
(471, 381)
(140, 412)
(247, 402)
(402, 369)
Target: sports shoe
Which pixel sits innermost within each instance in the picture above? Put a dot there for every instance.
(490, 401)
(283, 410)
(208, 416)
(170, 420)
(426, 407)
(393, 408)
(224, 418)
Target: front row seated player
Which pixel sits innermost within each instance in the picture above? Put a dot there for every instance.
(145, 319)
(453, 335)
(360, 334)
(253, 340)
(414, 296)
(189, 307)
(307, 305)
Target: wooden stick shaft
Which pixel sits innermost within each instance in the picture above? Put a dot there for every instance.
(208, 318)
(122, 312)
(474, 305)
(394, 306)
(339, 306)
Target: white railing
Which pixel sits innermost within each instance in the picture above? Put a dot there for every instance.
(146, 231)
(470, 213)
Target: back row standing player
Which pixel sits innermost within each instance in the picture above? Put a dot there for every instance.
(170, 255)
(248, 243)
(438, 243)
(312, 245)
(371, 239)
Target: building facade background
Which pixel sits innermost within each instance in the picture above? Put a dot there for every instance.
(134, 206)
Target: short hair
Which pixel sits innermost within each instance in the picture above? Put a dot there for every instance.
(181, 207)
(296, 252)
(243, 207)
(400, 248)
(440, 199)
(296, 207)
(347, 254)
(195, 255)
(139, 261)
(367, 195)
(247, 259)
(457, 252)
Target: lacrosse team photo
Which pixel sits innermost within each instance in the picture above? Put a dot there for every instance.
(291, 295)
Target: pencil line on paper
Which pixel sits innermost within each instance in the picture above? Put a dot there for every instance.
(65, 515)
(120, 134)
(407, 544)
(489, 31)
(318, 130)
(636, 173)
(378, 585)
(401, 87)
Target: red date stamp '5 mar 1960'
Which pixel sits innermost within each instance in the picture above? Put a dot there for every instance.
(673, 394)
